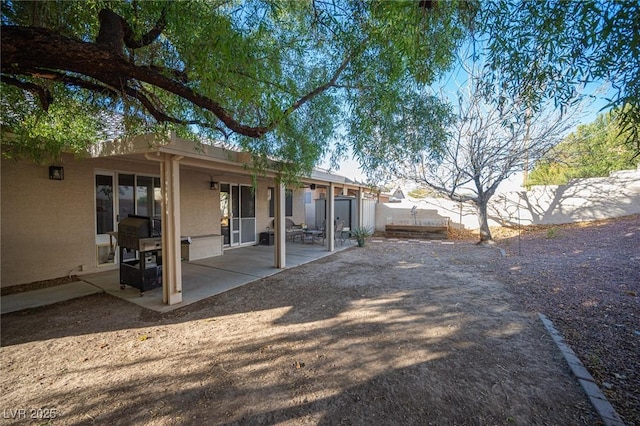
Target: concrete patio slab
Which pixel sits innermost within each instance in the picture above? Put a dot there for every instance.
(200, 279)
(46, 296)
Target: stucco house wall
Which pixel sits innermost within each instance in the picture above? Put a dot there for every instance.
(48, 227)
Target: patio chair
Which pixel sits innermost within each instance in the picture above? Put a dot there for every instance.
(292, 230)
(338, 236)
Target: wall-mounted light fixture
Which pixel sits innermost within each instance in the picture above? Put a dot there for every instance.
(214, 186)
(312, 186)
(56, 172)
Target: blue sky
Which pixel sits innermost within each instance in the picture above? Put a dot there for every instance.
(350, 168)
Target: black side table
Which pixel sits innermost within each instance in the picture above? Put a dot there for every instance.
(266, 238)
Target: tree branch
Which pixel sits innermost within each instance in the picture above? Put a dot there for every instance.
(28, 48)
(306, 98)
(43, 94)
(147, 38)
(70, 81)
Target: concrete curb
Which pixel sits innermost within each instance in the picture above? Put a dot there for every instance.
(598, 400)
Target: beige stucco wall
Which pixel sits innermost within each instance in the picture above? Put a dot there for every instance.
(46, 224)
(48, 227)
(262, 206)
(578, 201)
(200, 206)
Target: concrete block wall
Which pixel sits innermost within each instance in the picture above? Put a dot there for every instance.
(400, 214)
(580, 200)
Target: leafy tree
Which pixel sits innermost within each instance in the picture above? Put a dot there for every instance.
(483, 146)
(422, 192)
(290, 80)
(549, 49)
(594, 149)
(276, 78)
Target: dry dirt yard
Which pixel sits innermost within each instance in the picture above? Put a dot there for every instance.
(395, 333)
(586, 279)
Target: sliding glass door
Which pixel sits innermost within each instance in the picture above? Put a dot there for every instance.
(117, 196)
(237, 214)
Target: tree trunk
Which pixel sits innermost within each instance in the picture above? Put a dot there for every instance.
(483, 221)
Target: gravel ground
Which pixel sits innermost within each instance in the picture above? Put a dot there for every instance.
(586, 279)
(396, 333)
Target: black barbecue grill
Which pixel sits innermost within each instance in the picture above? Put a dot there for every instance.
(139, 237)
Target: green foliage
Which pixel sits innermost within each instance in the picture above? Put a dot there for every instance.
(361, 233)
(549, 49)
(399, 130)
(30, 132)
(552, 233)
(422, 192)
(311, 74)
(593, 150)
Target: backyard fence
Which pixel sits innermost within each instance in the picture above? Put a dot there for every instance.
(580, 200)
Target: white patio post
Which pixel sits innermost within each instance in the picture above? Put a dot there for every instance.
(359, 208)
(329, 229)
(280, 260)
(171, 266)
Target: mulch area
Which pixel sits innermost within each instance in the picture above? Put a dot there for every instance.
(586, 279)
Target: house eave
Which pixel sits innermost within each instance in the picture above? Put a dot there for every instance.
(200, 156)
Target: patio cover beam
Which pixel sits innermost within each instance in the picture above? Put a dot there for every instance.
(329, 227)
(171, 252)
(280, 260)
(359, 209)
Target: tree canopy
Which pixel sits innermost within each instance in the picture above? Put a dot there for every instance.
(276, 78)
(293, 80)
(551, 49)
(592, 150)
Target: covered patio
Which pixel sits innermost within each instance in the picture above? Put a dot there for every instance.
(201, 278)
(176, 157)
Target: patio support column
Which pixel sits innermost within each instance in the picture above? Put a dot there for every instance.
(280, 260)
(359, 208)
(171, 266)
(329, 229)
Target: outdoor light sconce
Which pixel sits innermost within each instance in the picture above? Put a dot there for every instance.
(56, 172)
(312, 186)
(214, 186)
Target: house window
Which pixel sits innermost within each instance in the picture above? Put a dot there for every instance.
(288, 202)
(139, 195)
(104, 203)
(117, 196)
(124, 194)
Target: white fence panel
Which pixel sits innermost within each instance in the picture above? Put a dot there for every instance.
(369, 214)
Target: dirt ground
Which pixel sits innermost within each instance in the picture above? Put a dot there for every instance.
(586, 278)
(395, 333)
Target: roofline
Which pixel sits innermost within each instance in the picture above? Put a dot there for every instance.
(206, 156)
